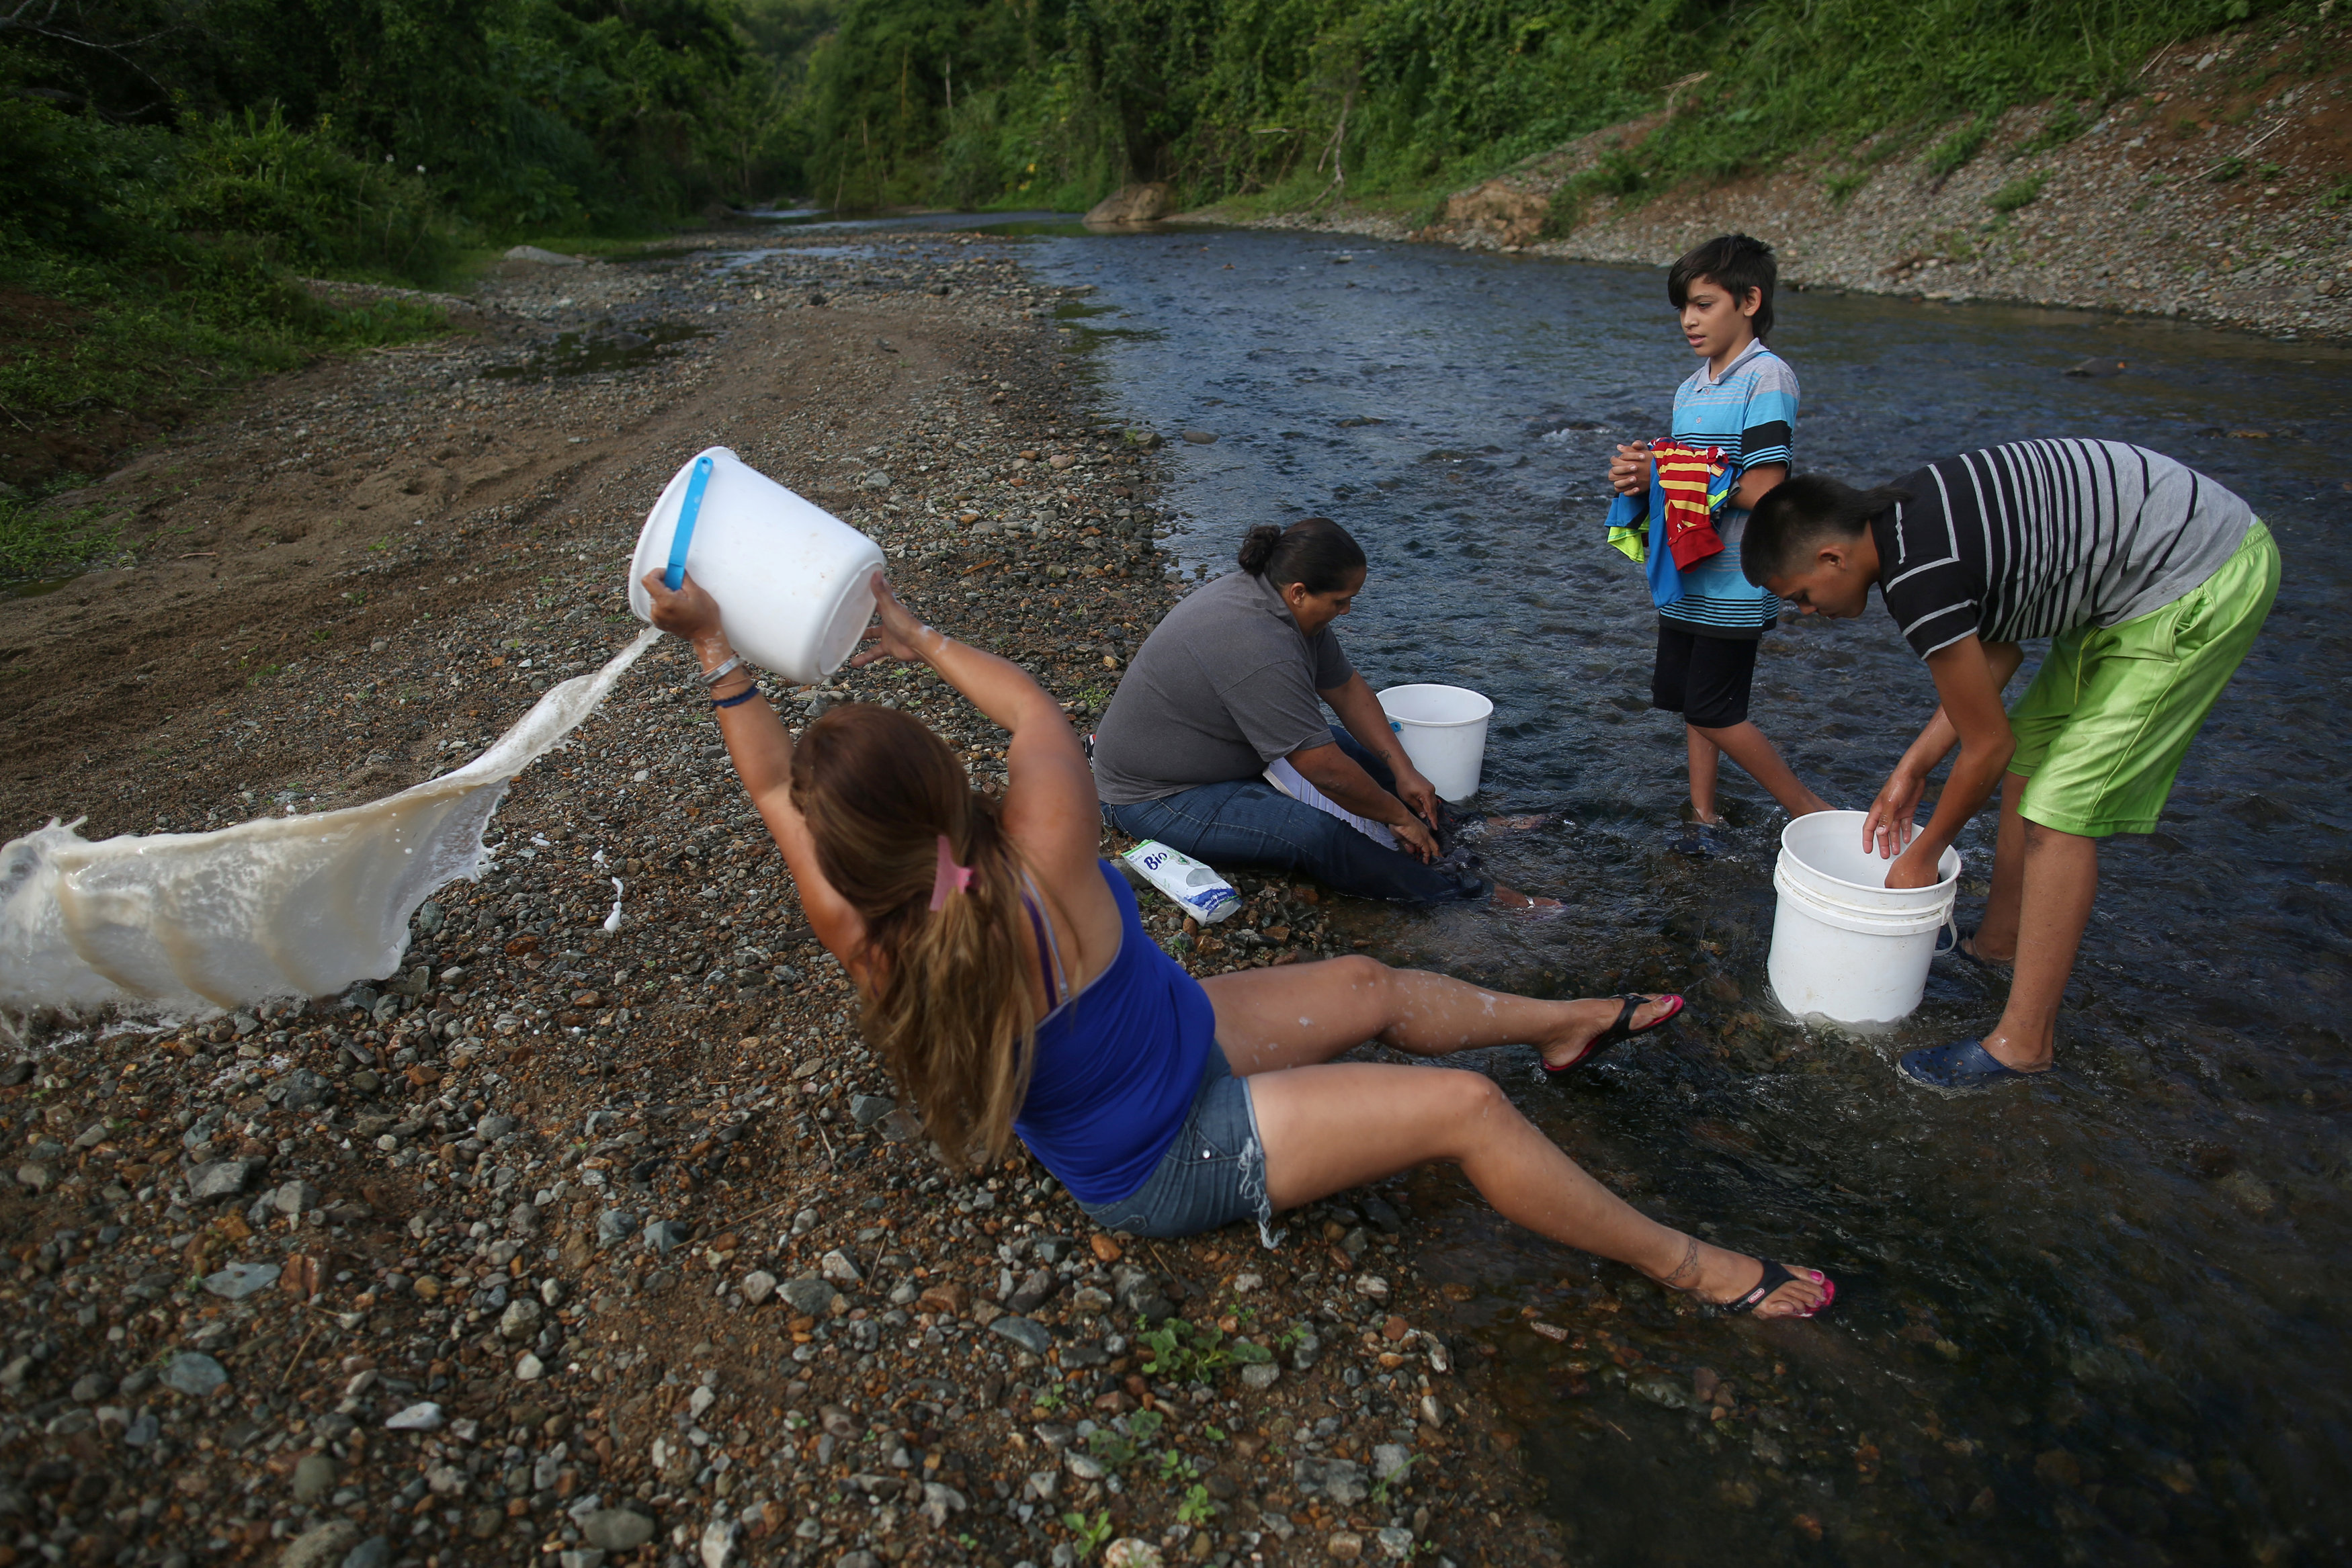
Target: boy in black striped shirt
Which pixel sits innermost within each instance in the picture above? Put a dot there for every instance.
(2153, 581)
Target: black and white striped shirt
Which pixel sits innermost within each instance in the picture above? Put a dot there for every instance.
(2042, 537)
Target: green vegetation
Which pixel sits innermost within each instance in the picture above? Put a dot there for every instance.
(1285, 102)
(1962, 145)
(1114, 1449)
(1395, 1479)
(32, 540)
(176, 169)
(1090, 1536)
(2019, 193)
(1843, 185)
(1179, 1352)
(2065, 123)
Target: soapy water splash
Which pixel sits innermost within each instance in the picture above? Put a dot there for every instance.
(279, 907)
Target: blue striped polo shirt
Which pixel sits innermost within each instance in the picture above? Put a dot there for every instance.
(1750, 411)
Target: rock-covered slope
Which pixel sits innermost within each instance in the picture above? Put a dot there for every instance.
(2221, 191)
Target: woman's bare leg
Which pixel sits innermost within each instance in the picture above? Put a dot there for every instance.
(1304, 1013)
(1330, 1127)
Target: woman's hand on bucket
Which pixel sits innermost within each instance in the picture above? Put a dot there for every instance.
(900, 635)
(1893, 820)
(687, 612)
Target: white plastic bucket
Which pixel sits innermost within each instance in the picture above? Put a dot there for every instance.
(1444, 730)
(794, 583)
(1845, 946)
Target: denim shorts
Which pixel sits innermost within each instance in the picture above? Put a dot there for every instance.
(1213, 1173)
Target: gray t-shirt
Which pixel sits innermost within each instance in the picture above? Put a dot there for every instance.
(1223, 686)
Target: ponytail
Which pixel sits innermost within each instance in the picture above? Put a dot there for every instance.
(949, 1005)
(1314, 552)
(1258, 549)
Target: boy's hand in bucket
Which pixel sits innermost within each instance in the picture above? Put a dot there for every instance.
(1914, 869)
(899, 635)
(1892, 823)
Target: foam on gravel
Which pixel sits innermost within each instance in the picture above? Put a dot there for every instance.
(282, 907)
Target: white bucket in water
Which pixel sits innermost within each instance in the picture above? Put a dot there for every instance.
(1845, 946)
(794, 583)
(1444, 730)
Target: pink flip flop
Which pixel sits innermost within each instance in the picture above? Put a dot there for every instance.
(1775, 1276)
(1634, 1001)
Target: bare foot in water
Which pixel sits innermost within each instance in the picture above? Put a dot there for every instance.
(1511, 898)
(1723, 1278)
(1589, 1018)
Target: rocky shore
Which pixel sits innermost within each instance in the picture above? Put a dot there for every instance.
(586, 1243)
(2220, 191)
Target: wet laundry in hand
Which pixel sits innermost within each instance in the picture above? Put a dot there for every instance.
(1299, 788)
(1673, 527)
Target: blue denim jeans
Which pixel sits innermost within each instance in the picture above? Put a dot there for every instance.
(1213, 1173)
(1249, 823)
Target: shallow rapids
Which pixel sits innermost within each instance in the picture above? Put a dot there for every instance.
(2099, 1319)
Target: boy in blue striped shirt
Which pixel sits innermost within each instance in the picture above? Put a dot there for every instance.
(1742, 400)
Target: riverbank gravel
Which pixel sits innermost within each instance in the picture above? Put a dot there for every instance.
(587, 1241)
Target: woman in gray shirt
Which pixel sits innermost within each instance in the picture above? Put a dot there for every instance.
(1235, 679)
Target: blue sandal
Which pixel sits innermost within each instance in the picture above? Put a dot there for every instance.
(1959, 1068)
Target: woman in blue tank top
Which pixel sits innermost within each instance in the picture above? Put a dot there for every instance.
(1012, 989)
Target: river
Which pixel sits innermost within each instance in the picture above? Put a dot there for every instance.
(2098, 1318)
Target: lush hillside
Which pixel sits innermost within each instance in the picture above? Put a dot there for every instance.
(1057, 101)
(174, 167)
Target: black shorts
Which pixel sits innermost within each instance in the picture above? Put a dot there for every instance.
(1703, 678)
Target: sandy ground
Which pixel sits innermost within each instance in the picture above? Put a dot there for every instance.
(568, 1247)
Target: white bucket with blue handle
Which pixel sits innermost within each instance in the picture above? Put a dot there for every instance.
(1847, 946)
(794, 583)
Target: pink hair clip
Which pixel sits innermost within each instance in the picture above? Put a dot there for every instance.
(949, 878)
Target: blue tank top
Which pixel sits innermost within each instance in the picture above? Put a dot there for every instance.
(1118, 1065)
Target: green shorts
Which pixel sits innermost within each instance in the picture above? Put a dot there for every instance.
(2103, 728)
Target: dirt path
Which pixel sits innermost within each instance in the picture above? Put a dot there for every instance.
(566, 1247)
(334, 511)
